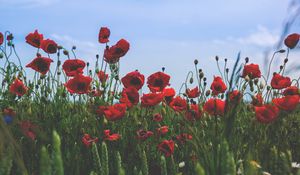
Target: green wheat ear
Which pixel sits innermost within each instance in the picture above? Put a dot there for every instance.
(96, 158)
(56, 155)
(119, 164)
(104, 159)
(199, 169)
(163, 165)
(144, 162)
(227, 162)
(45, 166)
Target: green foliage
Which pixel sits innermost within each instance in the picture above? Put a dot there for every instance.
(45, 162)
(96, 158)
(58, 168)
(163, 165)
(104, 159)
(6, 162)
(199, 169)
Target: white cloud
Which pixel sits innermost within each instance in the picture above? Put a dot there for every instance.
(27, 3)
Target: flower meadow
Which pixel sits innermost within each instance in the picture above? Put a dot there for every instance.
(61, 116)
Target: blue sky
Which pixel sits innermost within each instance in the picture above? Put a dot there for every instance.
(169, 33)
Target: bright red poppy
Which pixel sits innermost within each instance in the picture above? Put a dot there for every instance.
(157, 117)
(292, 40)
(292, 90)
(49, 46)
(151, 99)
(79, 84)
(40, 64)
(252, 71)
(183, 138)
(18, 87)
(168, 93)
(109, 136)
(73, 67)
(214, 107)
(115, 112)
(178, 104)
(162, 130)
(235, 96)
(193, 113)
(193, 93)
(280, 82)
(87, 140)
(133, 79)
(102, 76)
(112, 54)
(34, 39)
(287, 103)
(143, 135)
(104, 34)
(28, 129)
(266, 113)
(166, 147)
(257, 100)
(218, 86)
(158, 81)
(1, 38)
(130, 97)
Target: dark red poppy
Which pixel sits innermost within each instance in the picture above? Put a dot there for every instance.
(252, 70)
(40, 64)
(235, 96)
(115, 112)
(100, 110)
(35, 39)
(1, 38)
(157, 117)
(18, 87)
(193, 113)
(280, 82)
(96, 93)
(28, 129)
(79, 84)
(73, 67)
(87, 140)
(151, 99)
(292, 90)
(158, 81)
(182, 138)
(292, 40)
(214, 106)
(110, 137)
(9, 111)
(130, 97)
(266, 113)
(168, 93)
(193, 93)
(133, 79)
(287, 103)
(257, 100)
(102, 76)
(218, 86)
(104, 34)
(49, 46)
(143, 135)
(162, 130)
(178, 104)
(166, 147)
(112, 54)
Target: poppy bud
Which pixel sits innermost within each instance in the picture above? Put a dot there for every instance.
(204, 83)
(195, 61)
(246, 59)
(225, 59)
(191, 80)
(87, 64)
(10, 37)
(207, 93)
(59, 47)
(65, 52)
(117, 77)
(36, 86)
(217, 58)
(1, 55)
(38, 55)
(201, 75)
(286, 60)
(163, 69)
(58, 72)
(261, 85)
(268, 88)
(58, 63)
(97, 56)
(281, 67)
(281, 51)
(255, 81)
(204, 79)
(227, 70)
(200, 70)
(247, 78)
(74, 48)
(97, 71)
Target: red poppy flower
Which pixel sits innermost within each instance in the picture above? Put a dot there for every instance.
(49, 46)
(79, 84)
(193, 93)
(9, 112)
(104, 34)
(182, 138)
(214, 107)
(168, 93)
(158, 81)
(100, 110)
(287, 103)
(28, 129)
(73, 67)
(218, 86)
(157, 117)
(162, 130)
(166, 147)
(178, 104)
(130, 97)
(133, 79)
(280, 82)
(87, 140)
(235, 96)
(110, 137)
(35, 39)
(18, 87)
(252, 70)
(266, 113)
(194, 113)
(1, 38)
(96, 93)
(292, 40)
(115, 112)
(143, 135)
(102, 76)
(112, 54)
(257, 100)
(151, 99)
(292, 90)
(40, 64)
